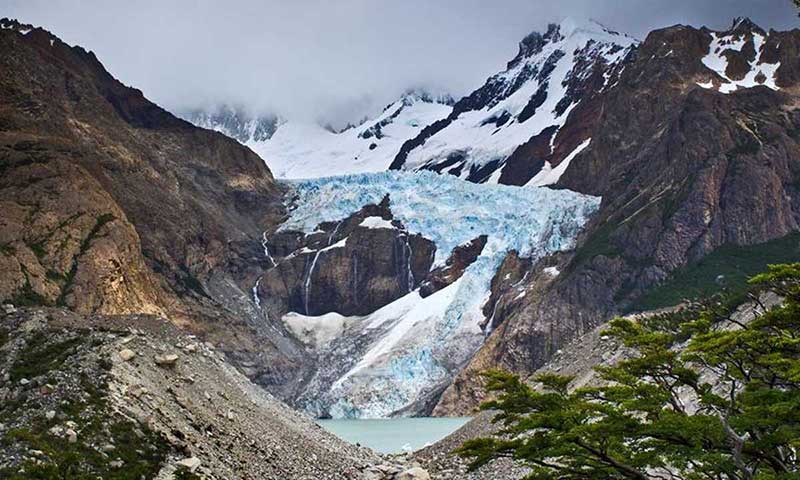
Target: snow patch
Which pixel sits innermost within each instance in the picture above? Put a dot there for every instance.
(376, 222)
(549, 175)
(317, 331)
(552, 271)
(715, 60)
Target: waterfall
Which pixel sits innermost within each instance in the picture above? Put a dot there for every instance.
(266, 249)
(355, 279)
(257, 300)
(488, 329)
(307, 283)
(333, 235)
(409, 254)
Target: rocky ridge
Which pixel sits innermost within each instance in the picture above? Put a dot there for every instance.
(525, 119)
(683, 169)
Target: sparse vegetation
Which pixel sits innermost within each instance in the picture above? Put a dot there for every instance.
(38, 249)
(7, 249)
(40, 355)
(136, 451)
(598, 244)
(141, 451)
(87, 242)
(183, 473)
(27, 296)
(731, 264)
(55, 276)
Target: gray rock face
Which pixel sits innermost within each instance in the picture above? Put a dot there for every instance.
(461, 258)
(352, 267)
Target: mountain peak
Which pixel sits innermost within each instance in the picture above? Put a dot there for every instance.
(567, 28)
(570, 26)
(13, 24)
(413, 95)
(744, 25)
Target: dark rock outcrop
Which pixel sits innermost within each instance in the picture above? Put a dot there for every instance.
(462, 257)
(352, 267)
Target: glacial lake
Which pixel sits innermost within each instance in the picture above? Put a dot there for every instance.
(393, 435)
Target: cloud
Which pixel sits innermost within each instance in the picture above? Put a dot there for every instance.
(336, 60)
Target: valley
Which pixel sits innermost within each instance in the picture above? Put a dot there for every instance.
(209, 285)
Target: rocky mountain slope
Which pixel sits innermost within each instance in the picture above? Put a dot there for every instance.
(129, 396)
(235, 122)
(111, 205)
(695, 148)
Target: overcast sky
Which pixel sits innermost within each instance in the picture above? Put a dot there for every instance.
(337, 60)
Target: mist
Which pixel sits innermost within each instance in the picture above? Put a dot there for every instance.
(335, 62)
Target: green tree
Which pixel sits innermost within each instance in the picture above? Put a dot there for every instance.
(703, 396)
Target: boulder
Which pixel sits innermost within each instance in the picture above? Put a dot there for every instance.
(189, 463)
(166, 360)
(126, 354)
(414, 473)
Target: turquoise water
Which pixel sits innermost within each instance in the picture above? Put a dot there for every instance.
(394, 435)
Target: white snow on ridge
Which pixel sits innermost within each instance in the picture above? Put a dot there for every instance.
(716, 61)
(482, 142)
(416, 344)
(306, 150)
(549, 175)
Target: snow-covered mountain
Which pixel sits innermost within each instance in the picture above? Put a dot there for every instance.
(235, 122)
(552, 74)
(299, 149)
(580, 107)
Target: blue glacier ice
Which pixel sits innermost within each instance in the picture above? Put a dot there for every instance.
(449, 211)
(419, 342)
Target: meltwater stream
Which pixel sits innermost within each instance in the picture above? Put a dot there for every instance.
(393, 435)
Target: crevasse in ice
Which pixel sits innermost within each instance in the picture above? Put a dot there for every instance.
(418, 344)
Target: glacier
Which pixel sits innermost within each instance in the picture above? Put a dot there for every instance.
(413, 346)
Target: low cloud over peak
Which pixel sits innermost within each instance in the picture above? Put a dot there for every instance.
(334, 62)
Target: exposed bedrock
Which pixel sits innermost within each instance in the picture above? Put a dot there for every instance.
(352, 267)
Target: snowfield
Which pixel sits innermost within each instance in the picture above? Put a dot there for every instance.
(307, 150)
(414, 345)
